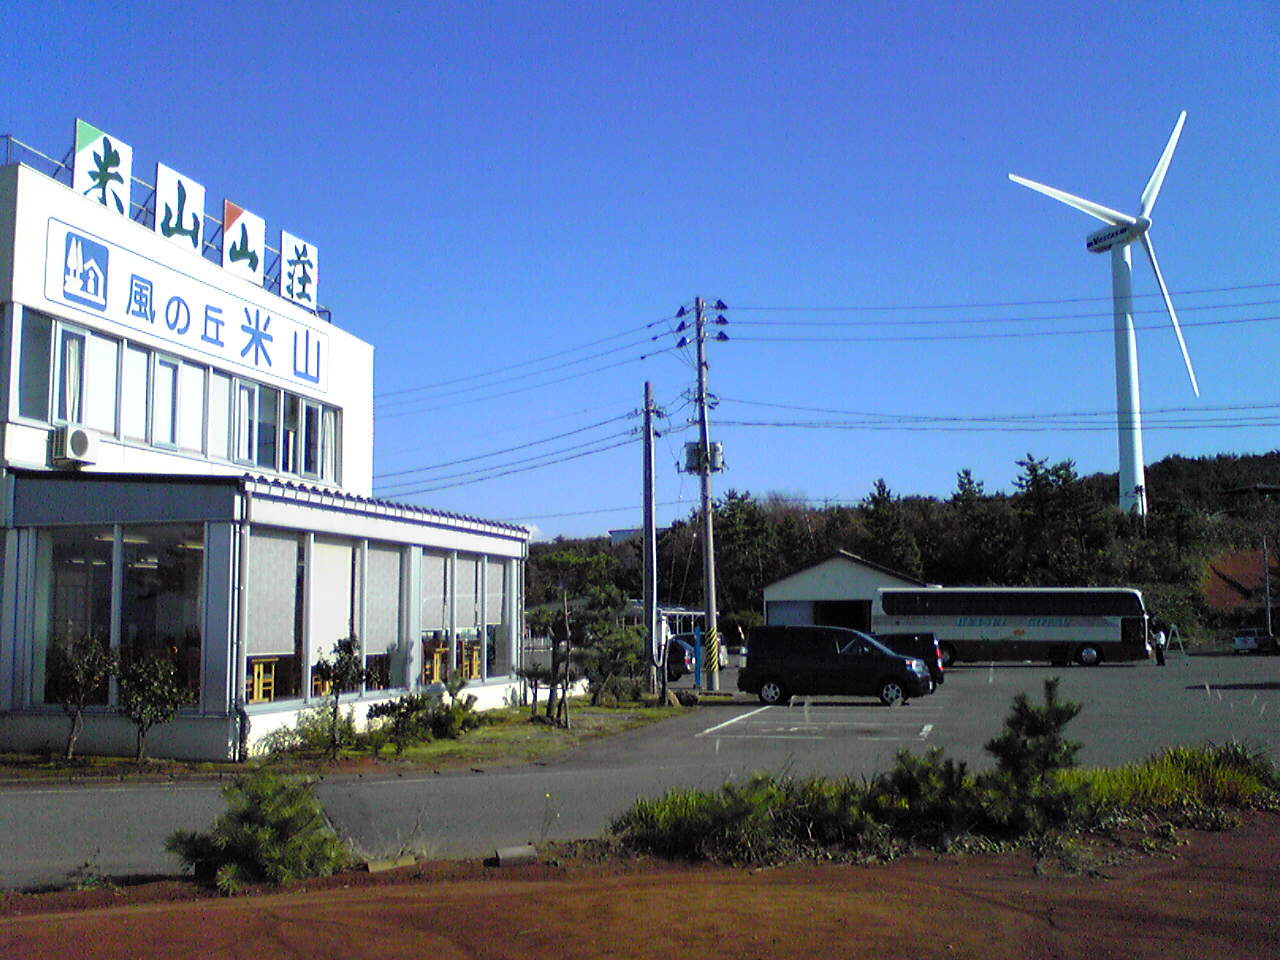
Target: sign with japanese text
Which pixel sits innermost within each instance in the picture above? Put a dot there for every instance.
(244, 243)
(102, 168)
(299, 270)
(102, 279)
(179, 208)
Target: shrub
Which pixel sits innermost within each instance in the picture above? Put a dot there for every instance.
(765, 820)
(149, 695)
(78, 673)
(273, 831)
(310, 733)
(407, 718)
(926, 799)
(1026, 793)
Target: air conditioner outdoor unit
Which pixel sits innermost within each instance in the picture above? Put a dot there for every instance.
(74, 445)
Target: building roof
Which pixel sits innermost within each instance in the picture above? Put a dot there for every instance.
(855, 559)
(297, 492)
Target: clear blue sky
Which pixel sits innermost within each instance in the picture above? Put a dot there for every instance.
(491, 183)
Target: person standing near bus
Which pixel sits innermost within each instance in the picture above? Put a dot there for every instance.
(1160, 641)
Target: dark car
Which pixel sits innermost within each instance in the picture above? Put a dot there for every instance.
(783, 662)
(922, 645)
(679, 657)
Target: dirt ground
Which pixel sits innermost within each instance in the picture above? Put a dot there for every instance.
(1212, 895)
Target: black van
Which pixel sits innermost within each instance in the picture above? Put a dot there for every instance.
(786, 661)
(922, 645)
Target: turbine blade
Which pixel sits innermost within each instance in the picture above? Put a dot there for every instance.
(1162, 167)
(1164, 292)
(1105, 214)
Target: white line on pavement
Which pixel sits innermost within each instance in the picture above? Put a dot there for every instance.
(721, 726)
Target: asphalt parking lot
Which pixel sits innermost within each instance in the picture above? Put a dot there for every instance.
(1129, 712)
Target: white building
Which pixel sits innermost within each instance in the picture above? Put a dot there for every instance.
(835, 592)
(185, 470)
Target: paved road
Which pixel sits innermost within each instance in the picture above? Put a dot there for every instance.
(1130, 711)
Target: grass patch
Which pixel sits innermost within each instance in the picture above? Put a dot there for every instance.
(1229, 775)
(506, 737)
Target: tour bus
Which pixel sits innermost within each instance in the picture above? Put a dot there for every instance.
(1057, 624)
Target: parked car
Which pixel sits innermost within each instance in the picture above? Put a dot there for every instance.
(1254, 640)
(922, 645)
(783, 662)
(679, 657)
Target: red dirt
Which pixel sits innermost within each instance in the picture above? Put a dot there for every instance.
(1215, 896)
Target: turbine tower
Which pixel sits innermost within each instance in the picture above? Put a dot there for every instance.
(1121, 231)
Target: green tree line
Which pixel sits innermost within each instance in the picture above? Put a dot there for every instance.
(1055, 528)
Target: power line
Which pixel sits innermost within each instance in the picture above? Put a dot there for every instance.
(509, 463)
(505, 473)
(495, 453)
(994, 305)
(1046, 318)
(533, 386)
(524, 376)
(989, 335)
(525, 363)
(994, 418)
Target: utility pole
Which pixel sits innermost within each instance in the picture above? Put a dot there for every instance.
(711, 636)
(1266, 579)
(657, 659)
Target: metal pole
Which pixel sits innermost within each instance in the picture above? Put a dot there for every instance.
(1266, 580)
(710, 633)
(656, 658)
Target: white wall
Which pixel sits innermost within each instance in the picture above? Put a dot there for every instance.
(41, 210)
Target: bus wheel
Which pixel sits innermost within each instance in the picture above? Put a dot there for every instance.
(1088, 656)
(948, 655)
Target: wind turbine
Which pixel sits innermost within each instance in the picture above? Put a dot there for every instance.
(1121, 231)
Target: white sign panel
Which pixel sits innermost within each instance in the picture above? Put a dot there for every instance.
(179, 208)
(244, 243)
(96, 277)
(299, 270)
(102, 168)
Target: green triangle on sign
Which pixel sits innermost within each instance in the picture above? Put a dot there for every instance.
(86, 134)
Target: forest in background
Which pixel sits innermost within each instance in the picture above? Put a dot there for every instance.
(1055, 529)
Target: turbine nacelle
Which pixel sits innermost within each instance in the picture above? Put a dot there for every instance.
(1115, 236)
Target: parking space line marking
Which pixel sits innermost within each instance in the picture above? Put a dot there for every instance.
(720, 726)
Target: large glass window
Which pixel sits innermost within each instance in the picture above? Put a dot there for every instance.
(497, 619)
(219, 415)
(435, 615)
(135, 388)
(73, 595)
(384, 654)
(164, 423)
(191, 414)
(268, 418)
(70, 397)
(290, 449)
(246, 416)
(33, 373)
(330, 441)
(160, 602)
(311, 439)
(274, 641)
(334, 599)
(102, 377)
(157, 612)
(467, 614)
